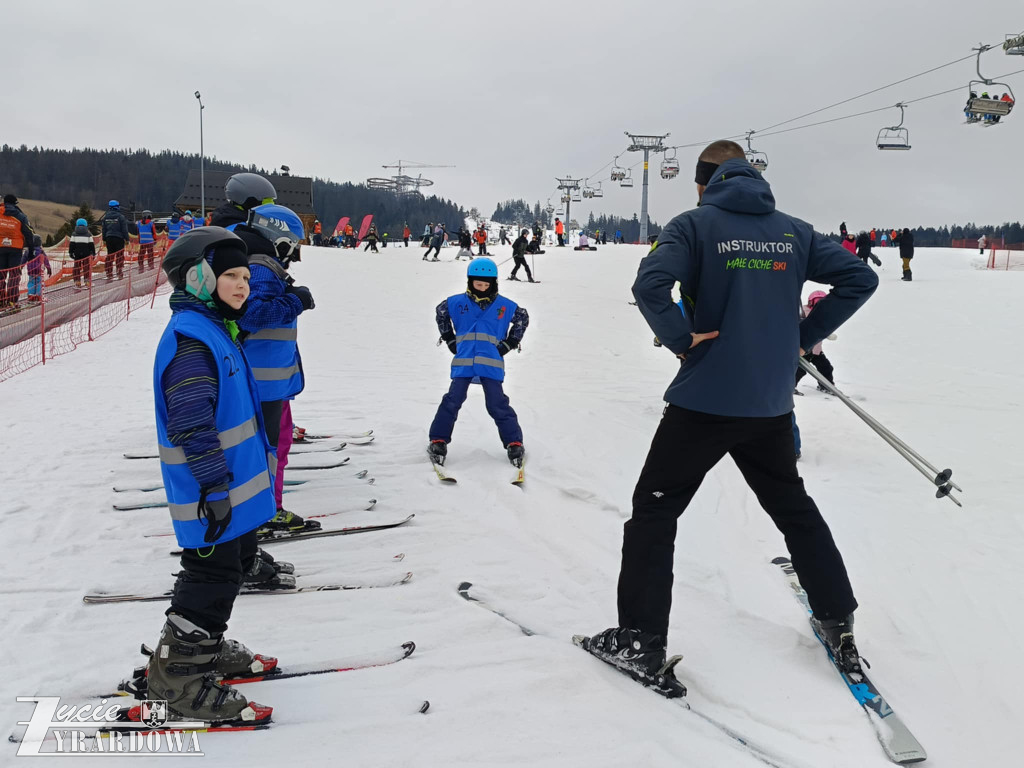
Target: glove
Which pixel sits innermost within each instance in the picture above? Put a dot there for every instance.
(505, 346)
(449, 339)
(215, 509)
(304, 295)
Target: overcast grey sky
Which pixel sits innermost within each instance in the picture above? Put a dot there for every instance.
(514, 94)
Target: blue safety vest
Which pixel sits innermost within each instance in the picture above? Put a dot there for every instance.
(274, 352)
(147, 234)
(477, 333)
(187, 225)
(250, 459)
(173, 229)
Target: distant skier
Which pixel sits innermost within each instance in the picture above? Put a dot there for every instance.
(465, 245)
(907, 253)
(519, 255)
(815, 356)
(618, 237)
(406, 234)
(842, 230)
(81, 248)
(216, 477)
(435, 242)
(35, 262)
(173, 228)
(480, 327)
(371, 239)
(147, 240)
(481, 240)
(425, 240)
(864, 243)
(15, 242)
(560, 232)
(850, 243)
(503, 236)
(982, 244)
(715, 407)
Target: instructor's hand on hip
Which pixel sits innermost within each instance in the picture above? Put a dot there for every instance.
(697, 339)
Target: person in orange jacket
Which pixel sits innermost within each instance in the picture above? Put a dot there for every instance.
(406, 234)
(350, 237)
(872, 236)
(560, 232)
(318, 238)
(481, 239)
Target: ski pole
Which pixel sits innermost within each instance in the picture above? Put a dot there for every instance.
(940, 479)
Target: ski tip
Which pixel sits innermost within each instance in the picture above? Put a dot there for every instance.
(409, 646)
(780, 561)
(424, 707)
(464, 588)
(581, 641)
(407, 578)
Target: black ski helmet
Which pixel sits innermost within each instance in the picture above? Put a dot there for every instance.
(190, 249)
(248, 190)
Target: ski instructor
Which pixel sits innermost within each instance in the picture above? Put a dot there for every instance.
(741, 265)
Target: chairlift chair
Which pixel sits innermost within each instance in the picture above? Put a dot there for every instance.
(670, 166)
(894, 137)
(978, 108)
(618, 172)
(549, 208)
(576, 196)
(627, 180)
(565, 198)
(597, 191)
(759, 160)
(1014, 45)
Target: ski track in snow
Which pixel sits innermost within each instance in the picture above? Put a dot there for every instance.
(939, 587)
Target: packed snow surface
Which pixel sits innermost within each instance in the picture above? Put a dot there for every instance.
(936, 360)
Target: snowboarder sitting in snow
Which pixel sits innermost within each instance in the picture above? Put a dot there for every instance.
(217, 477)
(815, 356)
(584, 243)
(480, 327)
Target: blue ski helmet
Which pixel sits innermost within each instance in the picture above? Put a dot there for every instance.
(281, 226)
(81, 223)
(114, 204)
(482, 267)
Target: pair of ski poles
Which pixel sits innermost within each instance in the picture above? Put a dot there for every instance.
(944, 485)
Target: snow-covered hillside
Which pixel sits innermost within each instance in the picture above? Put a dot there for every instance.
(935, 360)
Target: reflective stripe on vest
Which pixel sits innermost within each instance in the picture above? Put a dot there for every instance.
(273, 353)
(229, 438)
(146, 233)
(173, 229)
(477, 333)
(250, 459)
(237, 495)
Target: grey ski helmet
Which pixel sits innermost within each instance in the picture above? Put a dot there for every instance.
(248, 190)
(182, 262)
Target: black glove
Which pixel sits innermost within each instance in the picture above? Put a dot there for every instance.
(304, 295)
(449, 339)
(505, 346)
(215, 509)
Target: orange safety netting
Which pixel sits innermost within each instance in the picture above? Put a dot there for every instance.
(49, 306)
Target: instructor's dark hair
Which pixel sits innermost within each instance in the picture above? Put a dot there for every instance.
(718, 152)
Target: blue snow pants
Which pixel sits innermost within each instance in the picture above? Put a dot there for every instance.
(498, 408)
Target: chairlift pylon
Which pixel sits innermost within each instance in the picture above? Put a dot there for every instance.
(895, 137)
(759, 160)
(987, 109)
(670, 165)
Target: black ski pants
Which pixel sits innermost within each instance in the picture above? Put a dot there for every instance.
(209, 581)
(521, 262)
(435, 247)
(115, 257)
(561, 241)
(10, 274)
(821, 363)
(685, 447)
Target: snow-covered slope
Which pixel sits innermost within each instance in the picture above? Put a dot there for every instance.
(939, 587)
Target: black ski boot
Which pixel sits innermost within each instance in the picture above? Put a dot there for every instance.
(261, 574)
(640, 655)
(908, 276)
(280, 566)
(516, 453)
(438, 451)
(837, 635)
(287, 522)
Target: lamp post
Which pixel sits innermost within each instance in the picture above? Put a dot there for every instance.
(202, 176)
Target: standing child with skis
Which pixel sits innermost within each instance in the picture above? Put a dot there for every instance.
(480, 327)
(217, 477)
(815, 356)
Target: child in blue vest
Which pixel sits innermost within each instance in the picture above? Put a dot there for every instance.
(218, 472)
(480, 327)
(147, 240)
